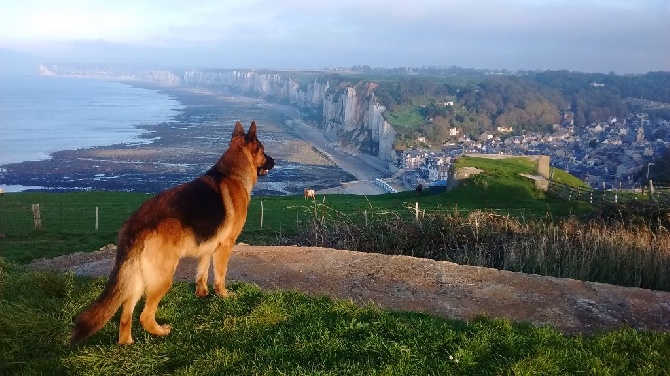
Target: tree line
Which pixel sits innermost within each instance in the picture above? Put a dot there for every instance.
(530, 102)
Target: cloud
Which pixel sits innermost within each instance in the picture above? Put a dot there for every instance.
(591, 35)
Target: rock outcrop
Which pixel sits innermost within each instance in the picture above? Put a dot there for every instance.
(353, 116)
(407, 283)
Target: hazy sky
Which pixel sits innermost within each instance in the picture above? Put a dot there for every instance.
(625, 36)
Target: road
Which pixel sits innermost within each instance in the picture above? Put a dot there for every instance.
(365, 168)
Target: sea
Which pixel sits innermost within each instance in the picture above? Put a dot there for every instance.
(43, 115)
(40, 115)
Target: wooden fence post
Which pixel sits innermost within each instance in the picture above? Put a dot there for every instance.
(37, 216)
(416, 211)
(96, 218)
(262, 213)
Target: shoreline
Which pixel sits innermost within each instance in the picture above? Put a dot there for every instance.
(364, 168)
(184, 147)
(45, 115)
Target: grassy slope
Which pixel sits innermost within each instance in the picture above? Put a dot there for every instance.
(501, 188)
(405, 119)
(283, 332)
(280, 332)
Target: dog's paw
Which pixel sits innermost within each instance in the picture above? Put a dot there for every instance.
(125, 341)
(165, 330)
(201, 291)
(224, 292)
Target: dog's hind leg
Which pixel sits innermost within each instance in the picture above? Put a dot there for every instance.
(126, 321)
(221, 257)
(148, 316)
(158, 279)
(201, 278)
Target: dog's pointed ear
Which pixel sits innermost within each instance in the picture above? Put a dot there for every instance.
(238, 131)
(251, 135)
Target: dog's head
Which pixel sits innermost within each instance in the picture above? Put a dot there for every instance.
(261, 161)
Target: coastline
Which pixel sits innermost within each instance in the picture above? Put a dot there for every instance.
(43, 115)
(187, 145)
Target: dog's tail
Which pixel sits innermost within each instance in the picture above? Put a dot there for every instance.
(98, 313)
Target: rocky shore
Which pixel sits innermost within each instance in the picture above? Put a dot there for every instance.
(183, 148)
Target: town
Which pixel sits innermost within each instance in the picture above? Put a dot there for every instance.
(605, 155)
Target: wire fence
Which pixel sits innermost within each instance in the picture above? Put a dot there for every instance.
(20, 218)
(107, 217)
(658, 194)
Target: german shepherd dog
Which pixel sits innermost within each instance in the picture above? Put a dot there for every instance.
(201, 218)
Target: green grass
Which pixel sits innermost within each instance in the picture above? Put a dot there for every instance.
(566, 178)
(68, 222)
(282, 332)
(68, 219)
(501, 188)
(405, 119)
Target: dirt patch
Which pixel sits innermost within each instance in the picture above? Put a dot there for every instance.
(414, 284)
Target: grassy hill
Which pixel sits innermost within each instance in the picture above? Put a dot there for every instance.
(69, 219)
(502, 188)
(281, 332)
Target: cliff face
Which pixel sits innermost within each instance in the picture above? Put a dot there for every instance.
(268, 85)
(163, 76)
(350, 114)
(353, 116)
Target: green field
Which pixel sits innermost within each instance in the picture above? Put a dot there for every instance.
(68, 220)
(260, 332)
(405, 119)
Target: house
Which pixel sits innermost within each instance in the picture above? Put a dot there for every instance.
(438, 172)
(413, 159)
(596, 128)
(485, 136)
(505, 129)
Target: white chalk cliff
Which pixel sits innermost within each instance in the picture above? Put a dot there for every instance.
(350, 113)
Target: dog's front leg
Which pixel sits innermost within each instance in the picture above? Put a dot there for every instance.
(221, 257)
(201, 278)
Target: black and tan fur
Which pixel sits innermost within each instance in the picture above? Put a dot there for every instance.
(201, 218)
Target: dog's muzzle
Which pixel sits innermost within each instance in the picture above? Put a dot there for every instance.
(269, 163)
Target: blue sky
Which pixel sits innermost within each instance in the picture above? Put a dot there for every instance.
(625, 36)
